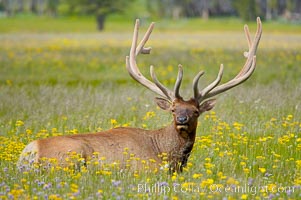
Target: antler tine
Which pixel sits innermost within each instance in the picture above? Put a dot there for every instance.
(178, 82)
(234, 82)
(247, 33)
(140, 47)
(252, 46)
(207, 89)
(133, 69)
(247, 70)
(195, 83)
(166, 92)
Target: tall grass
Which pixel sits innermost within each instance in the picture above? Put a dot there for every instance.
(57, 84)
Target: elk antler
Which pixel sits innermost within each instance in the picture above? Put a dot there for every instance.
(132, 68)
(213, 89)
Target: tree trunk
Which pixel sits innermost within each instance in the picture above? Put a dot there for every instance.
(205, 10)
(100, 21)
(34, 6)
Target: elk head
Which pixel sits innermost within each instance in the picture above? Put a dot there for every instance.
(186, 112)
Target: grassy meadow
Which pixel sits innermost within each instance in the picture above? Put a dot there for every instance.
(55, 81)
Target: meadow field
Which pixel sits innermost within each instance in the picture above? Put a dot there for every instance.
(63, 82)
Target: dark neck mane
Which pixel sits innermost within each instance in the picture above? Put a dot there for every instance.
(177, 144)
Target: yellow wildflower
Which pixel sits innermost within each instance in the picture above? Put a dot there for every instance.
(19, 123)
(262, 169)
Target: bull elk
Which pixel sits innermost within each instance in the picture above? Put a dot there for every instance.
(176, 140)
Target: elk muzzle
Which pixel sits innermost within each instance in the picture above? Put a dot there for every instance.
(182, 122)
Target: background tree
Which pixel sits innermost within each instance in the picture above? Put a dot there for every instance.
(52, 6)
(190, 8)
(246, 9)
(289, 10)
(100, 8)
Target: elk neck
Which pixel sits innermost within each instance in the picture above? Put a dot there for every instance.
(176, 143)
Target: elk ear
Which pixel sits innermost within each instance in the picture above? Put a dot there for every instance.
(207, 105)
(163, 103)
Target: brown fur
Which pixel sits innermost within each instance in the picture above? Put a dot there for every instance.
(143, 144)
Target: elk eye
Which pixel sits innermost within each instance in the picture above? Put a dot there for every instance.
(196, 112)
(173, 110)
